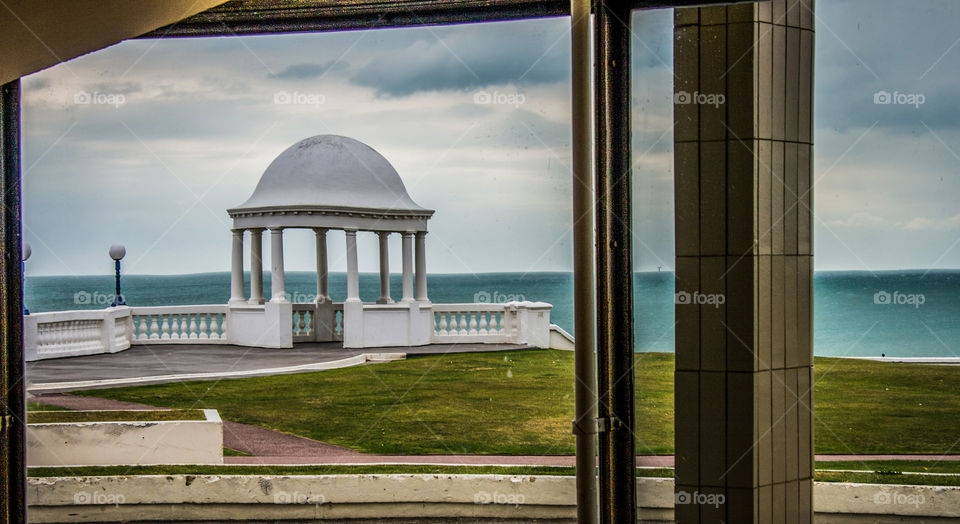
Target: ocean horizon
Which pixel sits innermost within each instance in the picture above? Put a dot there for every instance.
(899, 313)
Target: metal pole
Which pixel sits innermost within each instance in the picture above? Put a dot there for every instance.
(618, 484)
(583, 267)
(118, 301)
(13, 481)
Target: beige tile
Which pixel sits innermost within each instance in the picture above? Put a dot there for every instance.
(805, 502)
(687, 331)
(804, 424)
(687, 421)
(778, 67)
(742, 505)
(792, 357)
(765, 505)
(764, 428)
(777, 346)
(713, 512)
(686, 67)
(793, 13)
(687, 198)
(713, 15)
(713, 333)
(740, 313)
(741, 206)
(807, 14)
(763, 57)
(713, 198)
(778, 442)
(805, 310)
(741, 80)
(686, 16)
(764, 196)
(805, 87)
(792, 504)
(764, 313)
(790, 424)
(765, 11)
(779, 503)
(741, 434)
(779, 12)
(790, 204)
(792, 96)
(713, 69)
(805, 205)
(746, 12)
(713, 428)
(776, 199)
(686, 512)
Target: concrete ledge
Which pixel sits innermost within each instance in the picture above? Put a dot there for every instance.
(126, 443)
(500, 498)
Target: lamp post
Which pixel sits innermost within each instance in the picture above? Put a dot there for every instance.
(117, 252)
(23, 269)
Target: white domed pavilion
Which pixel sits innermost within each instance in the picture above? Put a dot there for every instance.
(330, 182)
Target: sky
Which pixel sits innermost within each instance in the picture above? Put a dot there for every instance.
(147, 143)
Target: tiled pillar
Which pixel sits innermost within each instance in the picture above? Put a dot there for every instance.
(744, 368)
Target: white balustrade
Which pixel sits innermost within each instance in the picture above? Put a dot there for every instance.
(486, 323)
(203, 324)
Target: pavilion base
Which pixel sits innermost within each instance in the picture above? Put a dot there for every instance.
(261, 325)
(387, 325)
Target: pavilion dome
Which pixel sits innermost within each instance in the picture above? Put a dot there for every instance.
(330, 171)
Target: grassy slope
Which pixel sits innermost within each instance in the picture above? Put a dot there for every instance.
(522, 403)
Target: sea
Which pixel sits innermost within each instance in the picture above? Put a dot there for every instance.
(908, 313)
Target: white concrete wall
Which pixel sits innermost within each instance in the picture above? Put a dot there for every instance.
(416, 496)
(267, 325)
(123, 443)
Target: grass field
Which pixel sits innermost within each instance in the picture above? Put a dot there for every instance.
(522, 403)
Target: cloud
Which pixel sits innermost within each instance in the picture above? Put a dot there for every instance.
(302, 71)
(926, 224)
(859, 219)
(519, 53)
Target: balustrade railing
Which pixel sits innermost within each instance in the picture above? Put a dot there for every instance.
(488, 323)
(317, 322)
(179, 324)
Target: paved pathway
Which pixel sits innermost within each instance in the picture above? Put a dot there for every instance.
(273, 447)
(160, 363)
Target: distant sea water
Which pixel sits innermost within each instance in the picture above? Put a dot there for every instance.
(897, 313)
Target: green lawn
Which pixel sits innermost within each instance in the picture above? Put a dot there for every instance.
(48, 417)
(522, 403)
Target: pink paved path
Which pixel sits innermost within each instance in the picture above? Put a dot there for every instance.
(274, 447)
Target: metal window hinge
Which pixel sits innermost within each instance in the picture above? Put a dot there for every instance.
(599, 425)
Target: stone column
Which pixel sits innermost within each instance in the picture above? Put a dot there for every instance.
(277, 291)
(353, 272)
(384, 268)
(744, 354)
(323, 280)
(256, 266)
(421, 256)
(407, 267)
(236, 269)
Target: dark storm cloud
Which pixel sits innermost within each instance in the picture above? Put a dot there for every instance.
(302, 71)
(864, 59)
(470, 58)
